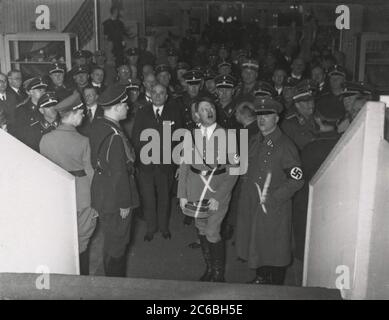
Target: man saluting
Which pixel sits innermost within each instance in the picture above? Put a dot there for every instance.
(114, 194)
(205, 187)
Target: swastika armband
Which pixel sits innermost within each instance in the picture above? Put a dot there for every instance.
(295, 173)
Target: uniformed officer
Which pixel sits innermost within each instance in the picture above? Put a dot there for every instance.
(205, 187)
(71, 151)
(264, 220)
(336, 78)
(354, 94)
(327, 117)
(113, 192)
(81, 78)
(194, 81)
(172, 58)
(298, 124)
(133, 90)
(224, 68)
(57, 85)
(27, 115)
(249, 75)
(225, 88)
(210, 84)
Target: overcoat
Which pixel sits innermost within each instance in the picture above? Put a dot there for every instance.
(264, 232)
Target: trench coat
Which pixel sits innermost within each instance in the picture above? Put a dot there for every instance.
(264, 233)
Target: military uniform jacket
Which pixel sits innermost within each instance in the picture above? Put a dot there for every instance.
(30, 125)
(226, 116)
(299, 129)
(112, 157)
(194, 186)
(264, 232)
(61, 92)
(71, 151)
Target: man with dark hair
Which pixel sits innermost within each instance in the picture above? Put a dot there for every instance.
(113, 192)
(97, 75)
(204, 189)
(92, 110)
(326, 116)
(319, 77)
(278, 79)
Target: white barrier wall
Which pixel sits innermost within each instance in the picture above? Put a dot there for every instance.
(348, 224)
(38, 219)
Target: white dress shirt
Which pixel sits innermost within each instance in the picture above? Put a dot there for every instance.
(92, 108)
(208, 130)
(158, 108)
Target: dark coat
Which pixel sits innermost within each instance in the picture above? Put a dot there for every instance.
(9, 106)
(87, 124)
(113, 184)
(264, 238)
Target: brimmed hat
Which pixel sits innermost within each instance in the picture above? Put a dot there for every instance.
(113, 95)
(56, 68)
(34, 83)
(336, 70)
(193, 77)
(225, 81)
(263, 88)
(267, 105)
(305, 90)
(47, 100)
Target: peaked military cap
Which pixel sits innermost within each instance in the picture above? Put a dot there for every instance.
(133, 85)
(113, 95)
(193, 76)
(80, 69)
(224, 64)
(250, 64)
(305, 90)
(162, 68)
(329, 109)
(34, 83)
(267, 105)
(336, 70)
(57, 68)
(132, 52)
(225, 81)
(79, 54)
(263, 88)
(356, 88)
(47, 100)
(71, 103)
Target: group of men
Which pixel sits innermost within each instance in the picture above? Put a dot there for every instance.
(97, 123)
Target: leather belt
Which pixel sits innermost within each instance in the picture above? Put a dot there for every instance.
(79, 173)
(206, 173)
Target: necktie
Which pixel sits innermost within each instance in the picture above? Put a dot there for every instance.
(158, 115)
(89, 115)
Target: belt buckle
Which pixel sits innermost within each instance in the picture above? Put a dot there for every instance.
(204, 173)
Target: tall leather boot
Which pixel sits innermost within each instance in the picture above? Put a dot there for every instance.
(206, 250)
(218, 258)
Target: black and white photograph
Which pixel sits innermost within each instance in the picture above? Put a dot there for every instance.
(194, 154)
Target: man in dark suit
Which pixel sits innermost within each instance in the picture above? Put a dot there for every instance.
(155, 177)
(93, 111)
(8, 102)
(15, 81)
